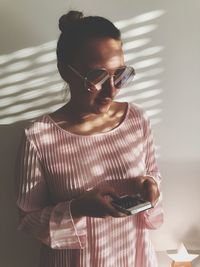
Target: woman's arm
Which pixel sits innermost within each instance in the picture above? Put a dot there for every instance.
(51, 224)
(153, 218)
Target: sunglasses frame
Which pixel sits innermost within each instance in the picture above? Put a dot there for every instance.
(86, 81)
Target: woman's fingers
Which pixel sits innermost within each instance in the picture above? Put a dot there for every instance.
(108, 191)
(96, 203)
(110, 209)
(150, 191)
(106, 195)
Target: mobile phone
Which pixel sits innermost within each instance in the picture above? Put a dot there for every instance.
(131, 204)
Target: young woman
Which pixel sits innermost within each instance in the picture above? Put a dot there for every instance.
(75, 161)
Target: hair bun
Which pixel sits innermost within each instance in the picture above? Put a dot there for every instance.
(68, 19)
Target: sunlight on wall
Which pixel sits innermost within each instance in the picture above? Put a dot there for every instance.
(30, 85)
(145, 89)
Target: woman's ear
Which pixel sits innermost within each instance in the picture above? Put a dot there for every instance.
(63, 70)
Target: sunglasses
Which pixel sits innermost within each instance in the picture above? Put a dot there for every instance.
(95, 78)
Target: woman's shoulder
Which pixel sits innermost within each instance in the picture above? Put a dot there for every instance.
(136, 110)
(37, 126)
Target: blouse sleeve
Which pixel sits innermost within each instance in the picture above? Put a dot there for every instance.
(51, 224)
(153, 218)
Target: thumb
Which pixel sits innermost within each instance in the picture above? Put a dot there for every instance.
(148, 191)
(109, 191)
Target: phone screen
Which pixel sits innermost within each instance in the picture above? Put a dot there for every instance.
(131, 204)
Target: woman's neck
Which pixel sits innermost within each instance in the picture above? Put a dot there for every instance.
(75, 114)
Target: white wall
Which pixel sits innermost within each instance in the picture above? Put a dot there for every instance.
(25, 24)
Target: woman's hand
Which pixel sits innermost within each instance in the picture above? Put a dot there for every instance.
(147, 187)
(96, 203)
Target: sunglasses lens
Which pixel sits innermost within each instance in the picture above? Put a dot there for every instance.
(123, 76)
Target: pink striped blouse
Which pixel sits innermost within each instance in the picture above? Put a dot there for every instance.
(56, 166)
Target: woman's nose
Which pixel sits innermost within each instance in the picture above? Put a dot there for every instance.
(109, 87)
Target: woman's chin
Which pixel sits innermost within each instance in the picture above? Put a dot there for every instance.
(102, 107)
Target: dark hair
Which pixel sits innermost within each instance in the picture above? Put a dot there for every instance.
(77, 29)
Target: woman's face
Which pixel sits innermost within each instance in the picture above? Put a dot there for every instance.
(104, 53)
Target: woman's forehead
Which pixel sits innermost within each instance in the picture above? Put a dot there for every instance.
(103, 52)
